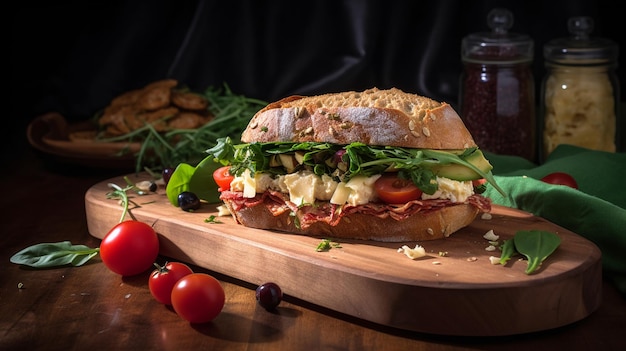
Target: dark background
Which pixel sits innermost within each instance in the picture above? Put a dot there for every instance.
(74, 57)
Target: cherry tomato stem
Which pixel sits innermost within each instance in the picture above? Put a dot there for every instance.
(163, 279)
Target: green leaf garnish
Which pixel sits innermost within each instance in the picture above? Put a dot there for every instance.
(47, 255)
(536, 245)
(365, 160)
(508, 250)
(327, 244)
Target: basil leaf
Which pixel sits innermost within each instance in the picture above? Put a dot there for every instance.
(536, 245)
(202, 183)
(179, 182)
(47, 255)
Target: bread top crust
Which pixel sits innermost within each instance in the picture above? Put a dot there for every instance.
(389, 117)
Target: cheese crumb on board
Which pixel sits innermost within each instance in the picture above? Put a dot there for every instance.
(491, 236)
(413, 254)
(222, 210)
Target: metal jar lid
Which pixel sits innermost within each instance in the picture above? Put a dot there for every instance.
(580, 48)
(499, 45)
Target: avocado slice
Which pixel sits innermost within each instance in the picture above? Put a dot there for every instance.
(461, 172)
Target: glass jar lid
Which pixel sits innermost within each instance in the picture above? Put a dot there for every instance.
(499, 45)
(580, 48)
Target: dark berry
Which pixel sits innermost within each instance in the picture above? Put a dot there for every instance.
(269, 295)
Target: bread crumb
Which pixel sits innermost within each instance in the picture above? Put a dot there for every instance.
(472, 259)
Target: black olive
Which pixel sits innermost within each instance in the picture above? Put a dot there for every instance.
(188, 201)
(269, 295)
(167, 174)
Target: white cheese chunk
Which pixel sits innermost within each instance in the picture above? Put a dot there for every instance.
(453, 190)
(305, 187)
(301, 187)
(222, 210)
(494, 260)
(413, 254)
(491, 236)
(361, 190)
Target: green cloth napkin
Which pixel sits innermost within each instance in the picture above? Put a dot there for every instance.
(596, 211)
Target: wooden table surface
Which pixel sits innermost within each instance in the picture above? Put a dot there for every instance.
(91, 308)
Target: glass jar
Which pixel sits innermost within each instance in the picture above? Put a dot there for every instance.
(580, 91)
(497, 88)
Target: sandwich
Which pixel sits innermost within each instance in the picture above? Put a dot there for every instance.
(382, 165)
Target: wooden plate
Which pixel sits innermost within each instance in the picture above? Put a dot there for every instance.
(454, 290)
(52, 135)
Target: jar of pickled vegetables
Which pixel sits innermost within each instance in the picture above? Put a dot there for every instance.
(497, 88)
(580, 91)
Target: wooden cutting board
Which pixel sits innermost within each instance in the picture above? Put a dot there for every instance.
(454, 290)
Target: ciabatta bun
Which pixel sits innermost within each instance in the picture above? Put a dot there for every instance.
(375, 117)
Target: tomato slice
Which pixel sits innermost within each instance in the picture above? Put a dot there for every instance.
(479, 182)
(223, 178)
(394, 190)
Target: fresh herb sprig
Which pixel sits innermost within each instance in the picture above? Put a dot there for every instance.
(231, 112)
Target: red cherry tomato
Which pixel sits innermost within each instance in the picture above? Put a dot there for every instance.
(223, 178)
(394, 190)
(560, 178)
(163, 279)
(129, 248)
(198, 297)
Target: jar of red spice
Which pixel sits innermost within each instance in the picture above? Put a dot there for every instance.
(497, 88)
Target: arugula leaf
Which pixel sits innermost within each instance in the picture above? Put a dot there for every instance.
(47, 255)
